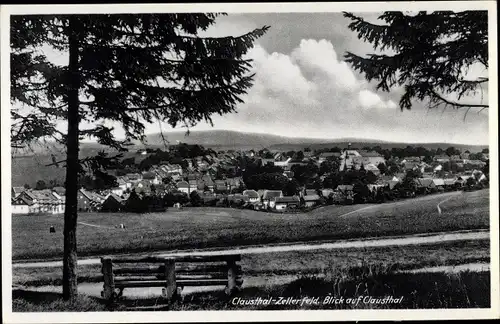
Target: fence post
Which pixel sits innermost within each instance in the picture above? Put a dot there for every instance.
(231, 277)
(170, 284)
(109, 281)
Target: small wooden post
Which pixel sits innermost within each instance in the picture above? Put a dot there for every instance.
(231, 277)
(109, 280)
(170, 281)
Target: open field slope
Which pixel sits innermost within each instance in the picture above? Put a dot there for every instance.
(221, 227)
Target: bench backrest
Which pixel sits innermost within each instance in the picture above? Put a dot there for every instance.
(170, 272)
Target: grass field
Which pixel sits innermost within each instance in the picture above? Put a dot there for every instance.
(222, 227)
(415, 291)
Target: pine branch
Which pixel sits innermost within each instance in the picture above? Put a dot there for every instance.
(456, 104)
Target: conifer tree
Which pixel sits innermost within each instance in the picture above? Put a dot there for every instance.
(123, 68)
(428, 54)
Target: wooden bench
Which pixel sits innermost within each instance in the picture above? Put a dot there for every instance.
(171, 273)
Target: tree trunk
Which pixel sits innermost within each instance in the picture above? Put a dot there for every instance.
(70, 288)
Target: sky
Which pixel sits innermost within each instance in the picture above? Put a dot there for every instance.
(303, 88)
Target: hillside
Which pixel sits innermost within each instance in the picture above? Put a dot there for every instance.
(229, 139)
(224, 140)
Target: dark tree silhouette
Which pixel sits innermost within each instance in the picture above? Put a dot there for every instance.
(123, 68)
(431, 50)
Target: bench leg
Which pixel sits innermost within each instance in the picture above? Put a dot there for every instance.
(170, 290)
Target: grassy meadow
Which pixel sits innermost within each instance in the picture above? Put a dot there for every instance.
(415, 290)
(223, 227)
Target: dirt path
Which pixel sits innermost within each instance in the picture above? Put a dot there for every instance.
(342, 244)
(94, 225)
(448, 195)
(445, 200)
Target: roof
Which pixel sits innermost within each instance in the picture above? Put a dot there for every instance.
(287, 199)
(270, 194)
(21, 200)
(425, 182)
(310, 192)
(182, 184)
(344, 187)
(312, 198)
(438, 182)
(448, 182)
(369, 154)
(18, 189)
(148, 175)
(251, 193)
(330, 154)
(371, 167)
(116, 197)
(392, 183)
(442, 157)
(133, 176)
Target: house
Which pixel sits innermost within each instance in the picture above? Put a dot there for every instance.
(183, 186)
(322, 157)
(151, 177)
(20, 205)
(234, 183)
(438, 183)
(238, 198)
(268, 197)
(450, 184)
(252, 195)
(425, 184)
(327, 192)
(283, 163)
(375, 187)
(415, 159)
(88, 200)
(16, 191)
(124, 183)
(311, 200)
(208, 182)
(143, 187)
(39, 201)
(117, 191)
(61, 191)
(371, 157)
(372, 168)
(343, 193)
(133, 178)
(462, 180)
(442, 158)
(113, 203)
(345, 189)
(456, 158)
(193, 185)
(287, 202)
(476, 163)
(220, 185)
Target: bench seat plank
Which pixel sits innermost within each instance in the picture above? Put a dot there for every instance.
(181, 282)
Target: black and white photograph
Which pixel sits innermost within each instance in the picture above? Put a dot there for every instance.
(162, 161)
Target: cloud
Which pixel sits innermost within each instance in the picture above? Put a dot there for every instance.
(311, 92)
(368, 99)
(320, 57)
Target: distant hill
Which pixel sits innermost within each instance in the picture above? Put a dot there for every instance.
(224, 140)
(227, 139)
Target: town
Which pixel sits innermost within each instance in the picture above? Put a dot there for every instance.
(185, 175)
